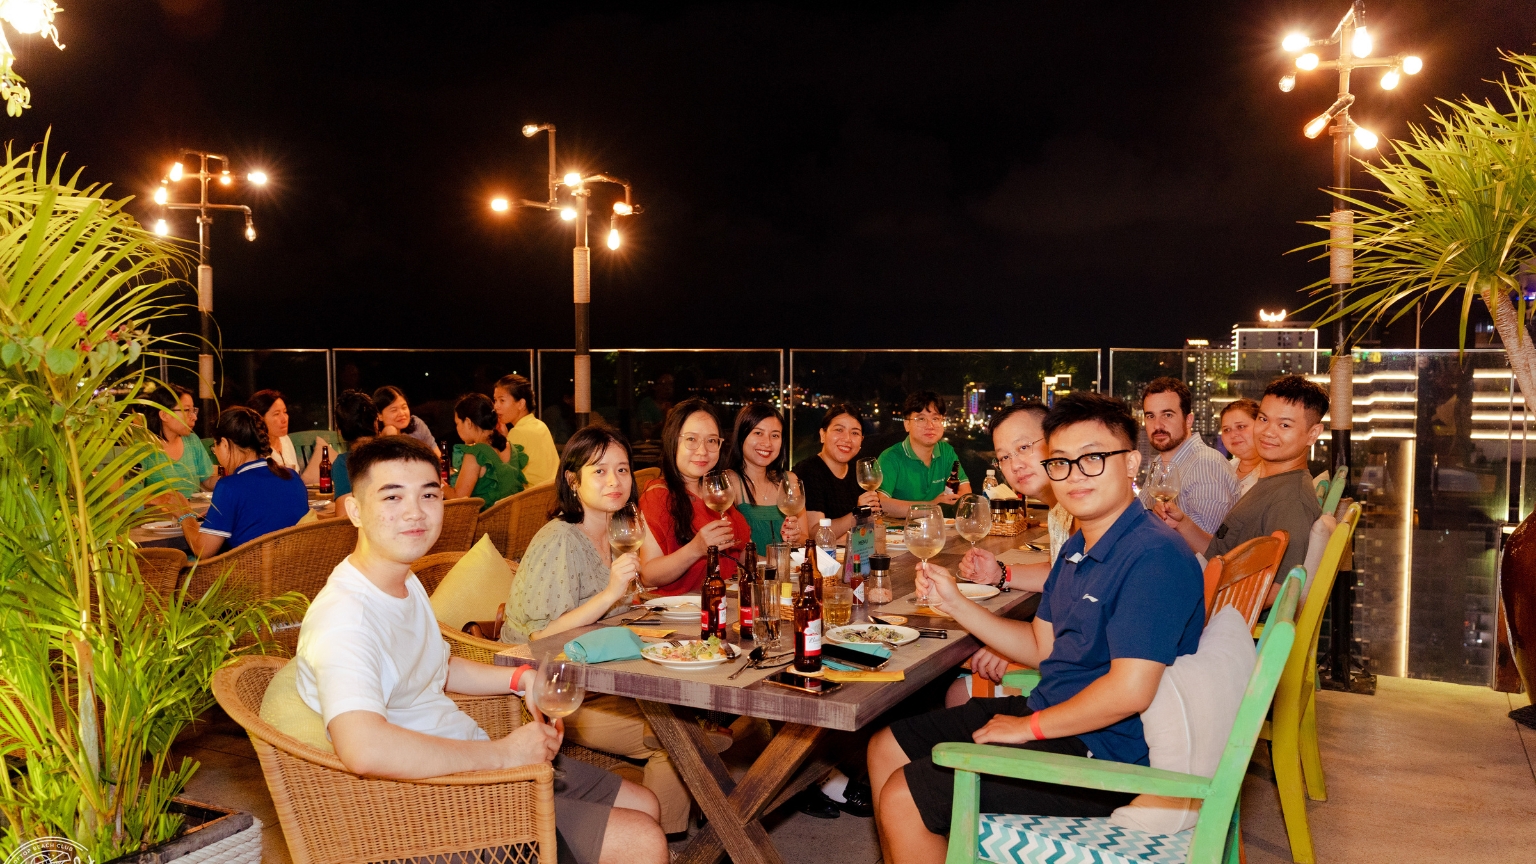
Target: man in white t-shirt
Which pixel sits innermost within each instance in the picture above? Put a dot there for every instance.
(372, 662)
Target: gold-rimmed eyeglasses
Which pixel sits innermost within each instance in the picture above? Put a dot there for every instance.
(693, 442)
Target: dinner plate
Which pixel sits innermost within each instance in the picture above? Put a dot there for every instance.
(649, 651)
(202, 496)
(839, 634)
(162, 527)
(973, 591)
(683, 607)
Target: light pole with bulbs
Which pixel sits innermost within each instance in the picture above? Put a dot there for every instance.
(1355, 47)
(204, 210)
(579, 190)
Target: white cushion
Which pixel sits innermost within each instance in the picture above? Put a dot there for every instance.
(1322, 532)
(476, 585)
(1190, 719)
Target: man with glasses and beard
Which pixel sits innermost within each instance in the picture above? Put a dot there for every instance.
(1207, 486)
(1123, 600)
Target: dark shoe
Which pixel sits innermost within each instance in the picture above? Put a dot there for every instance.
(857, 799)
(813, 802)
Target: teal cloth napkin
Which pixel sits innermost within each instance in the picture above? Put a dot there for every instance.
(604, 644)
(879, 652)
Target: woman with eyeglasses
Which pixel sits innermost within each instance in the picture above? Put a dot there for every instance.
(681, 528)
(182, 459)
(759, 461)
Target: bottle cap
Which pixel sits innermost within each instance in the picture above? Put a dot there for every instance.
(879, 562)
(826, 522)
(862, 511)
(991, 473)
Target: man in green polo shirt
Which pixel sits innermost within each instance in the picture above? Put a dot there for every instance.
(915, 470)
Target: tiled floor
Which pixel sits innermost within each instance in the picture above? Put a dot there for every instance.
(1421, 771)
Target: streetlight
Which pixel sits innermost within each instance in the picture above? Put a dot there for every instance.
(578, 188)
(178, 172)
(1354, 46)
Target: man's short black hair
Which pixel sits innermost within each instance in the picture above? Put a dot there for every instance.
(387, 448)
(1085, 406)
(1168, 384)
(356, 416)
(921, 400)
(1299, 391)
(1027, 406)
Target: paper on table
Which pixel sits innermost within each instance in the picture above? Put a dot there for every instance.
(1022, 557)
(651, 632)
(841, 677)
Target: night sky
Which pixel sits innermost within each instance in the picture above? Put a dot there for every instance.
(814, 175)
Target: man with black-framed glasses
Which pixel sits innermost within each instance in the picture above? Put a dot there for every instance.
(1122, 602)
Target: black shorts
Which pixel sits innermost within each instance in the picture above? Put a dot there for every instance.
(933, 788)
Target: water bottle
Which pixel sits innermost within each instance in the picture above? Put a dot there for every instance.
(989, 483)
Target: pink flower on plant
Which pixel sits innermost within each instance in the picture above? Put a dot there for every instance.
(81, 319)
(112, 335)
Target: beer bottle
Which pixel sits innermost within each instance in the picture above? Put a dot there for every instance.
(712, 619)
(325, 471)
(746, 588)
(953, 483)
(813, 571)
(808, 621)
(443, 469)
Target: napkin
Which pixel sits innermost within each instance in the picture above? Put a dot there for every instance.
(600, 646)
(840, 677)
(1002, 493)
(826, 564)
(876, 652)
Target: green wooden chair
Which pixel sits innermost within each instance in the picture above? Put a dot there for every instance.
(304, 443)
(1292, 732)
(1010, 839)
(1330, 501)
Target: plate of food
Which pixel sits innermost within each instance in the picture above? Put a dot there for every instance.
(169, 526)
(973, 591)
(872, 634)
(688, 654)
(683, 607)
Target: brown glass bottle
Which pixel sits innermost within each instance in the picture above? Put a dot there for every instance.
(712, 619)
(953, 483)
(746, 588)
(811, 569)
(808, 622)
(325, 472)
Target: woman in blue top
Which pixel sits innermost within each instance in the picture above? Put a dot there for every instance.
(257, 496)
(357, 422)
(478, 469)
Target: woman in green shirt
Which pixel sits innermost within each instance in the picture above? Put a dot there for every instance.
(182, 459)
(759, 461)
(479, 471)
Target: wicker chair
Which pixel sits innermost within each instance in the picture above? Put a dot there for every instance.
(530, 510)
(497, 522)
(332, 816)
(644, 476)
(458, 532)
(161, 569)
(299, 559)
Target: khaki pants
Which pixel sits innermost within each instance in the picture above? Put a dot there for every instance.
(614, 724)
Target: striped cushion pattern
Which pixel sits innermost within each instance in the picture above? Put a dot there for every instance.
(1010, 839)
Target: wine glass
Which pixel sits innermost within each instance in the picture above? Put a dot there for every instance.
(870, 475)
(791, 497)
(559, 689)
(973, 517)
(719, 491)
(925, 535)
(626, 533)
(1163, 481)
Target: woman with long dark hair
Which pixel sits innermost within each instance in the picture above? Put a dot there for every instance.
(478, 469)
(759, 460)
(273, 408)
(832, 488)
(395, 414)
(681, 528)
(182, 459)
(357, 422)
(257, 495)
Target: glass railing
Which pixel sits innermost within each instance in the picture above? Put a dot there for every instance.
(303, 376)
(432, 379)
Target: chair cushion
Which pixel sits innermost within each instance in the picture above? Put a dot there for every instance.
(1190, 719)
(476, 585)
(1010, 839)
(1317, 542)
(282, 706)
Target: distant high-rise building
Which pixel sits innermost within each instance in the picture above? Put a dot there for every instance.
(1273, 346)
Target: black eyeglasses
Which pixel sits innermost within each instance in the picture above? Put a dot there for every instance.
(1088, 464)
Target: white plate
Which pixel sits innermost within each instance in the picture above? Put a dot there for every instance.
(202, 496)
(683, 607)
(973, 591)
(680, 664)
(165, 527)
(907, 634)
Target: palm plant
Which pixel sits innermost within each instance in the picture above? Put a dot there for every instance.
(97, 674)
(1454, 220)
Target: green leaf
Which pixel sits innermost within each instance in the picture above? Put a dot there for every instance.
(62, 361)
(9, 352)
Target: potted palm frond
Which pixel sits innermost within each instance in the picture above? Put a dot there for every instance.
(1455, 222)
(97, 674)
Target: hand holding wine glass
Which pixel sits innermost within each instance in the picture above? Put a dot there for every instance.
(1163, 481)
(718, 489)
(925, 538)
(869, 474)
(973, 518)
(558, 690)
(791, 496)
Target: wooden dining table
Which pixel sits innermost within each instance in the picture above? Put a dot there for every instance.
(792, 761)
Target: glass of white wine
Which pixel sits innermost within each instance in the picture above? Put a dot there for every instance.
(559, 689)
(626, 532)
(791, 498)
(973, 518)
(869, 474)
(1163, 481)
(924, 535)
(719, 491)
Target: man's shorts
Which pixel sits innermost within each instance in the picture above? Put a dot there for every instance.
(583, 799)
(933, 788)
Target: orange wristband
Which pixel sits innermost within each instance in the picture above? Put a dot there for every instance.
(1034, 726)
(519, 672)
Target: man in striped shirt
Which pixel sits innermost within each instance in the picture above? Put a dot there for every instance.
(1207, 487)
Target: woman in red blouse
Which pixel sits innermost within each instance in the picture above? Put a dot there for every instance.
(681, 528)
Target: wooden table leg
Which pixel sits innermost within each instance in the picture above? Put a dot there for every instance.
(733, 808)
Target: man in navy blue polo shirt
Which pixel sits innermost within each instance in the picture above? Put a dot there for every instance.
(1123, 600)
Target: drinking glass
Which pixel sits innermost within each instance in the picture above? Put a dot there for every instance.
(791, 497)
(559, 689)
(779, 558)
(973, 518)
(870, 475)
(719, 491)
(837, 608)
(925, 535)
(765, 625)
(1163, 481)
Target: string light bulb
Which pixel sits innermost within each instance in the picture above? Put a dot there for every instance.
(1307, 62)
(1389, 80)
(160, 195)
(573, 179)
(1295, 42)
(250, 230)
(1361, 43)
(623, 208)
(1316, 127)
(613, 238)
(500, 205)
(1412, 65)
(177, 171)
(1365, 137)
(568, 214)
(1287, 83)
(257, 178)
(530, 130)
(162, 228)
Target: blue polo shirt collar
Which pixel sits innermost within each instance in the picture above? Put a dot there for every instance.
(253, 464)
(1126, 521)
